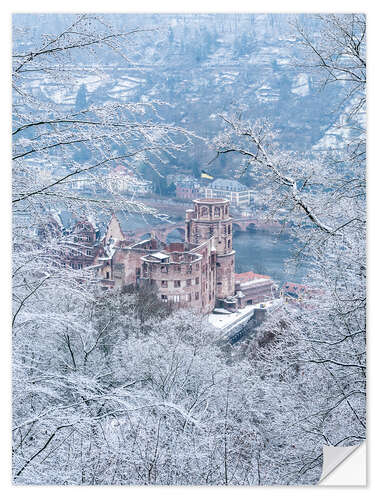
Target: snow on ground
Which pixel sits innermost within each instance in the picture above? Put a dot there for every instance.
(300, 85)
(92, 81)
(266, 94)
(341, 132)
(226, 322)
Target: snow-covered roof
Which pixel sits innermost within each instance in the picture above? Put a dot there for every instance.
(220, 310)
(228, 185)
(256, 281)
(92, 221)
(160, 255)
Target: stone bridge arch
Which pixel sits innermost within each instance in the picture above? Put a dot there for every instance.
(244, 224)
(252, 226)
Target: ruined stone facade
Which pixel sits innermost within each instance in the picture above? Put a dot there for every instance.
(198, 273)
(80, 243)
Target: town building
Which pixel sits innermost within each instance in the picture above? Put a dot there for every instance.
(254, 288)
(299, 294)
(188, 189)
(238, 194)
(124, 180)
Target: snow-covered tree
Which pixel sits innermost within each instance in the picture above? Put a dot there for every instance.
(321, 198)
(53, 331)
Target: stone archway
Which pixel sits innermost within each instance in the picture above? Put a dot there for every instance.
(252, 227)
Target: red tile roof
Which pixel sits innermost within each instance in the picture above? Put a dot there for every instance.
(298, 289)
(295, 286)
(249, 276)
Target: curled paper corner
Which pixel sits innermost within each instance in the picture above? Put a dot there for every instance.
(344, 465)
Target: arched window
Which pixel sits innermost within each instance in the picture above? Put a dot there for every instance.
(217, 212)
(204, 212)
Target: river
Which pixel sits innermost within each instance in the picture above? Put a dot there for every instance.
(266, 253)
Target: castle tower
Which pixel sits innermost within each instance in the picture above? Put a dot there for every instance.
(210, 217)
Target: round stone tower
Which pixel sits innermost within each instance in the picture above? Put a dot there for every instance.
(210, 217)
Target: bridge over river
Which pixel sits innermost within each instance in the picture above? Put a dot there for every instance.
(163, 231)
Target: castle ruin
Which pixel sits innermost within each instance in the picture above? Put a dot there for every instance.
(198, 273)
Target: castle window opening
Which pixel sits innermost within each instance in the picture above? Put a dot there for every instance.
(164, 284)
(177, 283)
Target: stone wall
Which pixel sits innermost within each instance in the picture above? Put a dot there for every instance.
(178, 279)
(211, 219)
(260, 290)
(225, 284)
